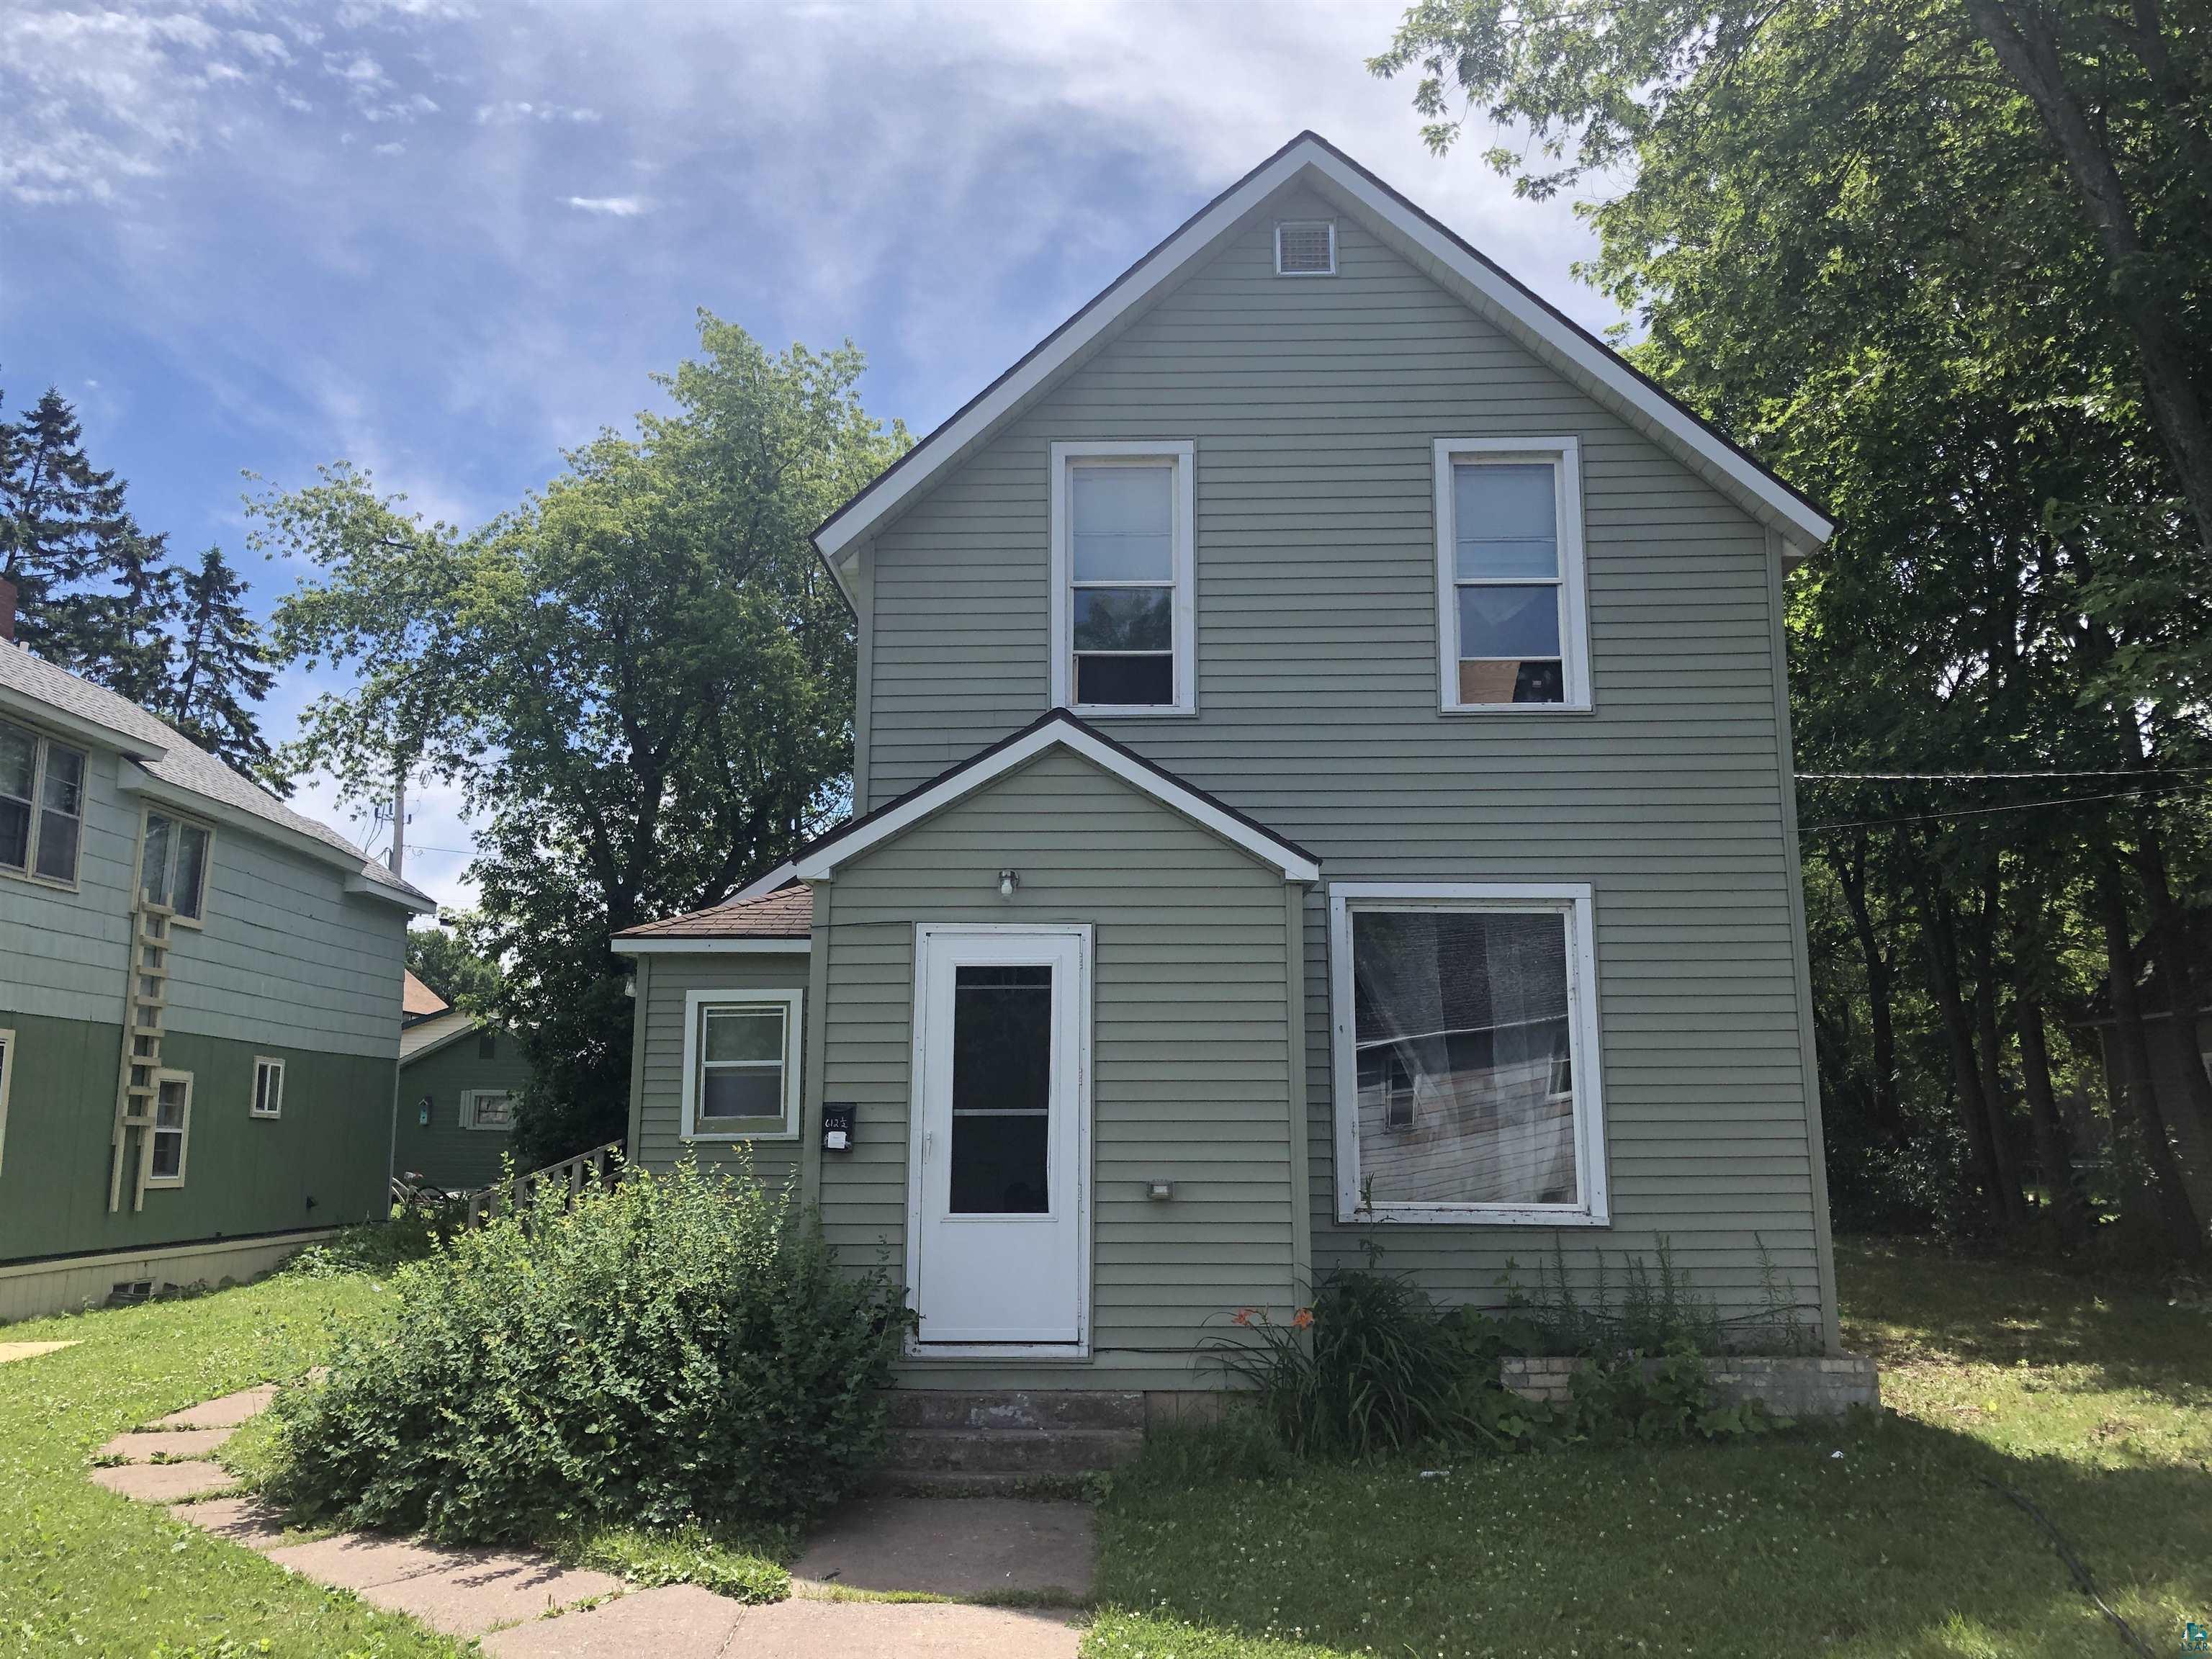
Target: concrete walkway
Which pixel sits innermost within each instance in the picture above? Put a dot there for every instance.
(525, 1606)
(29, 1350)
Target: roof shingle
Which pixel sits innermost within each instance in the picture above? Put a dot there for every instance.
(787, 913)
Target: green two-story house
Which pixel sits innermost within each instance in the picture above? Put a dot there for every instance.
(199, 1007)
(1323, 773)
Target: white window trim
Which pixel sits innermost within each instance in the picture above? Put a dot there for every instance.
(177, 917)
(253, 1099)
(1282, 225)
(1577, 901)
(794, 1003)
(1183, 452)
(1564, 456)
(42, 745)
(184, 1131)
(7, 1077)
(469, 1099)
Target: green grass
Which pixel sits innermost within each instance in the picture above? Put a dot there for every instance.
(2096, 1406)
(84, 1572)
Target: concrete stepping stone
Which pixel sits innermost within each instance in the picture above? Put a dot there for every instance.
(29, 1350)
(956, 1547)
(482, 1595)
(226, 1413)
(359, 1561)
(900, 1630)
(146, 1446)
(246, 1520)
(164, 1483)
(678, 1621)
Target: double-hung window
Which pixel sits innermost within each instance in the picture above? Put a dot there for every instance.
(1465, 1035)
(173, 1125)
(741, 1065)
(1124, 585)
(268, 1088)
(488, 1108)
(41, 805)
(172, 864)
(1511, 626)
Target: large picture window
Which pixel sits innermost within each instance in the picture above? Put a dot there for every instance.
(741, 1065)
(41, 805)
(1510, 627)
(1465, 1054)
(1123, 584)
(172, 864)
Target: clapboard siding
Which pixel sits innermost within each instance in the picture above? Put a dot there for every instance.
(444, 1151)
(660, 1143)
(63, 953)
(1313, 406)
(1190, 1049)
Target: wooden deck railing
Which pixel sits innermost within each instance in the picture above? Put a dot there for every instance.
(595, 1168)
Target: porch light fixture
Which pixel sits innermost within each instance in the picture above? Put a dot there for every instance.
(1008, 880)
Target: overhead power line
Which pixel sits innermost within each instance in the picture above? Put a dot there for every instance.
(2162, 792)
(1996, 777)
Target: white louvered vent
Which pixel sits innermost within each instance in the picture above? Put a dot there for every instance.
(1306, 248)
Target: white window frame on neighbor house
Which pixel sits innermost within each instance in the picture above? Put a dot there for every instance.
(267, 1104)
(1575, 903)
(177, 821)
(1563, 456)
(472, 1108)
(793, 1003)
(1182, 455)
(7, 1077)
(43, 749)
(183, 1131)
(1282, 225)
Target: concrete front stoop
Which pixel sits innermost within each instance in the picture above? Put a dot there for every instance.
(1006, 1439)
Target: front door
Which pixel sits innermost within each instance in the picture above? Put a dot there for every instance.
(998, 1231)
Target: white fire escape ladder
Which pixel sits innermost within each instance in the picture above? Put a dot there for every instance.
(138, 1091)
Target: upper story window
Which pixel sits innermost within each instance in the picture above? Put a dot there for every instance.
(1305, 248)
(174, 866)
(1124, 615)
(41, 805)
(1510, 627)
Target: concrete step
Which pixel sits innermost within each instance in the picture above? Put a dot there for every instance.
(1012, 1451)
(976, 1483)
(1015, 1408)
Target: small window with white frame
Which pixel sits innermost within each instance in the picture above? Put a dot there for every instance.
(171, 1130)
(1511, 627)
(7, 1077)
(41, 805)
(172, 864)
(1305, 248)
(1124, 582)
(1465, 1038)
(268, 1088)
(741, 1071)
(488, 1108)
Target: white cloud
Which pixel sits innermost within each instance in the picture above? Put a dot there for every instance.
(615, 206)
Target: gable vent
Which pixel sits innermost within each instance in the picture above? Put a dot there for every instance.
(1306, 248)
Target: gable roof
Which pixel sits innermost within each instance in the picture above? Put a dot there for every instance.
(1058, 729)
(780, 919)
(157, 752)
(1446, 257)
(427, 1036)
(416, 1000)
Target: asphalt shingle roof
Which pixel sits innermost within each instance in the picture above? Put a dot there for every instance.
(184, 763)
(787, 913)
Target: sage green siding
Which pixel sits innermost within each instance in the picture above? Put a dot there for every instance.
(63, 951)
(1314, 405)
(1190, 1050)
(657, 1139)
(242, 1175)
(443, 1152)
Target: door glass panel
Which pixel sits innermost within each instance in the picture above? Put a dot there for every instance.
(1001, 1089)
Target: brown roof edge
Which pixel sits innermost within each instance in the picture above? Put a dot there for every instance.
(787, 913)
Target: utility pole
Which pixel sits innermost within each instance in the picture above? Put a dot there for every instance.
(398, 857)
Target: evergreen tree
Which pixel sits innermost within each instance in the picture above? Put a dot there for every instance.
(126, 644)
(221, 670)
(60, 521)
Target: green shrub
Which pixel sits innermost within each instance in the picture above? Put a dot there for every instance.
(679, 1349)
(366, 1247)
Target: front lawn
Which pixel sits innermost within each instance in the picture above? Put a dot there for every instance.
(85, 1572)
(2098, 1408)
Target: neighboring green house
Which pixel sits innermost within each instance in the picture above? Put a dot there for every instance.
(199, 1007)
(1323, 758)
(458, 1078)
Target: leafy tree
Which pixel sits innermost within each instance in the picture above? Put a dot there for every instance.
(443, 961)
(641, 679)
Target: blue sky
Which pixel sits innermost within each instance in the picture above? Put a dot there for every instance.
(445, 240)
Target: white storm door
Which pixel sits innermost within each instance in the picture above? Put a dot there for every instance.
(999, 1233)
